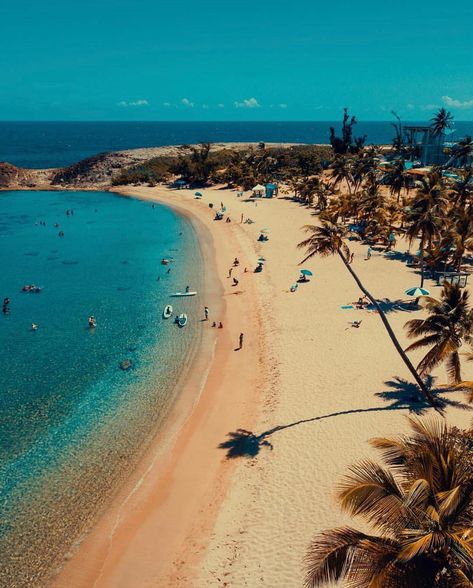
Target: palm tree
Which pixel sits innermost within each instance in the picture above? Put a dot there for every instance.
(398, 179)
(342, 171)
(440, 122)
(421, 504)
(425, 225)
(461, 234)
(461, 152)
(448, 326)
(328, 239)
(462, 189)
(426, 215)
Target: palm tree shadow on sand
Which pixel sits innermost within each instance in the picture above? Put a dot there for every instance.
(401, 395)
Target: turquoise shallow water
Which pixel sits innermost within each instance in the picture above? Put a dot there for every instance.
(71, 421)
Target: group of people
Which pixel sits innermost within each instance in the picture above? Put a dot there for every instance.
(214, 324)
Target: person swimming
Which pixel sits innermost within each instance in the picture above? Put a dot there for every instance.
(92, 322)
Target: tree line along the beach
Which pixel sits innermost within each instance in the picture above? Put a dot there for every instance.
(420, 501)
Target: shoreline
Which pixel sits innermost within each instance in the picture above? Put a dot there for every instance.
(154, 494)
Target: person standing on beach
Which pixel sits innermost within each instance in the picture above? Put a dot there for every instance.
(241, 341)
(206, 313)
(352, 256)
(368, 253)
(241, 220)
(230, 272)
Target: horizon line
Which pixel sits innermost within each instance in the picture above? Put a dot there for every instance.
(219, 121)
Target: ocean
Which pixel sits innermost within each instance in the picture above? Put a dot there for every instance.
(72, 422)
(58, 144)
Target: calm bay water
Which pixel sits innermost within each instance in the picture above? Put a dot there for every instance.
(71, 421)
(57, 144)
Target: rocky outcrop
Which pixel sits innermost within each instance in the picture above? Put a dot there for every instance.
(13, 176)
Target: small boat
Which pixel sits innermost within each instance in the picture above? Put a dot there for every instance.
(181, 320)
(179, 294)
(165, 261)
(167, 312)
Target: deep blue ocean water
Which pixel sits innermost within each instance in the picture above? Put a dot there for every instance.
(65, 405)
(57, 144)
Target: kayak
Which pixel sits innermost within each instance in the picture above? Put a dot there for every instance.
(177, 294)
(167, 312)
(181, 320)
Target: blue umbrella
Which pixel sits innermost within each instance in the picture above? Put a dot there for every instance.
(306, 273)
(416, 292)
(199, 194)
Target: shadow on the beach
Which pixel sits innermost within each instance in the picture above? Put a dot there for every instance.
(388, 306)
(401, 395)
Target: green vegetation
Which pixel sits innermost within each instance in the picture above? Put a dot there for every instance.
(200, 166)
(421, 505)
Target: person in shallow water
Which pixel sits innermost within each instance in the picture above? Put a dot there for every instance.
(92, 322)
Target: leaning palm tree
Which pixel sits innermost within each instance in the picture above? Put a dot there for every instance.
(328, 239)
(421, 505)
(448, 326)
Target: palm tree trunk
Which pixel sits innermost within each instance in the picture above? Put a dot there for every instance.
(425, 391)
(421, 268)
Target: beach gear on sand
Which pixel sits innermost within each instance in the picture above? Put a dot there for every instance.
(305, 272)
(347, 306)
(293, 287)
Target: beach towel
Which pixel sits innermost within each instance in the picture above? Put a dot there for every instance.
(347, 306)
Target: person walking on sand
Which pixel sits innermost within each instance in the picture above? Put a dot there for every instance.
(230, 272)
(241, 220)
(235, 282)
(368, 253)
(241, 341)
(206, 313)
(352, 257)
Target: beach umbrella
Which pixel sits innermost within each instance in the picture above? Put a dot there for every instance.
(416, 292)
(198, 194)
(305, 272)
(258, 188)
(261, 258)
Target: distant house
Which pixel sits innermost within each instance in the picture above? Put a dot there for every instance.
(428, 147)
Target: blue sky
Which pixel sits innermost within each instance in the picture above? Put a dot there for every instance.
(240, 60)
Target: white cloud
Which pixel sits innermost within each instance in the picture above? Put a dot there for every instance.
(429, 107)
(283, 106)
(454, 103)
(187, 102)
(141, 102)
(247, 103)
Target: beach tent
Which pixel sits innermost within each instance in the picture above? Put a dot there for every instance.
(258, 190)
(270, 190)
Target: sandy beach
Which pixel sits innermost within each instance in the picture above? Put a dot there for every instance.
(191, 517)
